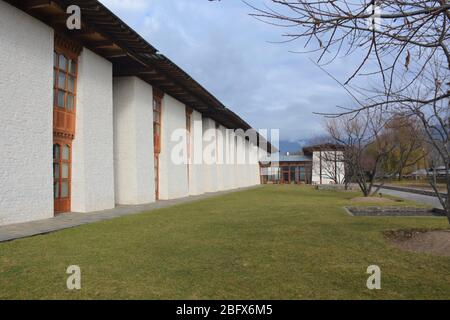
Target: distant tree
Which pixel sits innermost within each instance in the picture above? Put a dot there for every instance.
(407, 138)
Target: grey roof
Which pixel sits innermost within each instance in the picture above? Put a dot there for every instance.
(293, 158)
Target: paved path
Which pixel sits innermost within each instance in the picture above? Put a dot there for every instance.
(65, 221)
(433, 201)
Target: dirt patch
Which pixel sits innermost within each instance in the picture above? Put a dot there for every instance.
(371, 199)
(418, 240)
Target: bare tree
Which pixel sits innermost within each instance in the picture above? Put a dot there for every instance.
(365, 149)
(331, 159)
(403, 45)
(333, 166)
(435, 120)
(394, 40)
(407, 137)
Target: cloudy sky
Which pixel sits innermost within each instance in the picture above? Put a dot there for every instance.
(234, 57)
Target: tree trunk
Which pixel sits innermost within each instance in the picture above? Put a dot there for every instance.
(400, 174)
(447, 208)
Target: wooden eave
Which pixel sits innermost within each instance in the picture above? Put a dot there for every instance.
(108, 36)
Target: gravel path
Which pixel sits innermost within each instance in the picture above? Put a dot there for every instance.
(433, 201)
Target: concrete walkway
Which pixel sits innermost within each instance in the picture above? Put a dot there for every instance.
(70, 220)
(429, 200)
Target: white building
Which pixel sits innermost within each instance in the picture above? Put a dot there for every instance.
(96, 117)
(328, 166)
(319, 164)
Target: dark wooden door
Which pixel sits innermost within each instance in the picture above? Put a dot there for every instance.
(62, 175)
(156, 177)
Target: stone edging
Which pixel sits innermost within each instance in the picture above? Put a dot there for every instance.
(394, 212)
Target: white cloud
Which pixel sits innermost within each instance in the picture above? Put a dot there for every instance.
(228, 52)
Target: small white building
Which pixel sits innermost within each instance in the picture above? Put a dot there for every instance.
(328, 166)
(96, 117)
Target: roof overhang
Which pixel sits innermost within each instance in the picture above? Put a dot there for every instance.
(131, 55)
(323, 147)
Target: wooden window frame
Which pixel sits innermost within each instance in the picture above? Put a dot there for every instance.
(157, 107)
(288, 167)
(217, 126)
(64, 119)
(69, 56)
(156, 170)
(189, 112)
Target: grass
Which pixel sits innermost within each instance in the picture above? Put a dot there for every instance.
(273, 242)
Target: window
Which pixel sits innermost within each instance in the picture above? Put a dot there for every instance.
(302, 174)
(156, 164)
(188, 140)
(292, 177)
(157, 117)
(65, 69)
(65, 80)
(157, 113)
(61, 170)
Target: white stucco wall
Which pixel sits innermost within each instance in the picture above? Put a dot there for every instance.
(316, 169)
(173, 177)
(254, 165)
(26, 117)
(233, 165)
(247, 167)
(220, 165)
(228, 168)
(240, 164)
(93, 164)
(196, 186)
(133, 141)
(210, 159)
(329, 169)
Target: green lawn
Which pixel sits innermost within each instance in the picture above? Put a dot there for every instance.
(273, 242)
